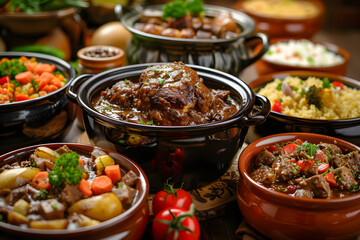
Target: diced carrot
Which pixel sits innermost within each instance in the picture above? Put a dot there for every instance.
(42, 93)
(42, 84)
(49, 88)
(3, 91)
(44, 67)
(21, 97)
(24, 77)
(41, 181)
(84, 187)
(113, 172)
(30, 66)
(101, 184)
(47, 77)
(56, 82)
(81, 161)
(31, 91)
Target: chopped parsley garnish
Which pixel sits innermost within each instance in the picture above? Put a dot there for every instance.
(328, 154)
(106, 108)
(126, 81)
(121, 184)
(269, 52)
(339, 180)
(66, 170)
(55, 207)
(122, 141)
(354, 187)
(178, 9)
(196, 85)
(326, 83)
(33, 164)
(147, 123)
(167, 73)
(162, 81)
(43, 194)
(302, 92)
(295, 88)
(309, 147)
(278, 87)
(148, 80)
(280, 100)
(155, 70)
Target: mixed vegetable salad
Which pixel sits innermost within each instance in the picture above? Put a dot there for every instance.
(23, 79)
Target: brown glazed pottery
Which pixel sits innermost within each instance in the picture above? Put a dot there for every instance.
(94, 65)
(347, 129)
(264, 66)
(287, 27)
(129, 225)
(281, 216)
(23, 24)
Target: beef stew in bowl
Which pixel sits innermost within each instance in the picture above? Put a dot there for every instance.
(304, 169)
(65, 190)
(166, 95)
(268, 210)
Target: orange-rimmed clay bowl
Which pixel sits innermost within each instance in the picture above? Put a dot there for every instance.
(276, 27)
(280, 216)
(264, 66)
(129, 225)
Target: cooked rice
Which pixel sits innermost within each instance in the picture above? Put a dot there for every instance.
(336, 105)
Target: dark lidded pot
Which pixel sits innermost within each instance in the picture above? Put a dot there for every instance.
(193, 155)
(228, 55)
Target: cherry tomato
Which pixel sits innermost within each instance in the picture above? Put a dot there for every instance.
(304, 164)
(338, 84)
(288, 149)
(331, 179)
(319, 156)
(183, 224)
(323, 167)
(277, 107)
(170, 197)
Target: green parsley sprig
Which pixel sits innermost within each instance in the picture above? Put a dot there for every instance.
(178, 8)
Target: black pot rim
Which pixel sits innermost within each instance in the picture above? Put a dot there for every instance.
(246, 105)
(43, 58)
(240, 18)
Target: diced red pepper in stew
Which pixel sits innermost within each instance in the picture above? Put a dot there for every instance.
(304, 164)
(330, 178)
(21, 97)
(290, 148)
(277, 107)
(323, 167)
(273, 148)
(338, 84)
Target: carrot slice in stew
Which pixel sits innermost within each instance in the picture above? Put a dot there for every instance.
(84, 187)
(24, 77)
(113, 172)
(44, 67)
(41, 181)
(101, 184)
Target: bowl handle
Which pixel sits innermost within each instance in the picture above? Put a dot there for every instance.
(264, 106)
(265, 46)
(73, 88)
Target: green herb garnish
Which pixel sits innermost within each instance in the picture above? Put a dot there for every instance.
(35, 84)
(106, 108)
(55, 207)
(302, 92)
(280, 100)
(178, 8)
(120, 184)
(147, 123)
(278, 87)
(126, 81)
(309, 147)
(269, 52)
(295, 88)
(310, 59)
(43, 194)
(66, 170)
(326, 83)
(196, 85)
(147, 80)
(122, 141)
(155, 70)
(162, 81)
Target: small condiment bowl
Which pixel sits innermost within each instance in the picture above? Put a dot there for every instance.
(97, 64)
(281, 216)
(286, 26)
(347, 129)
(264, 66)
(128, 225)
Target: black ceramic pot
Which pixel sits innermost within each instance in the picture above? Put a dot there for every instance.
(347, 129)
(228, 55)
(40, 119)
(193, 155)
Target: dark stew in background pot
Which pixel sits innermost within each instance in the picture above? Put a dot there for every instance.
(308, 170)
(58, 189)
(185, 19)
(168, 95)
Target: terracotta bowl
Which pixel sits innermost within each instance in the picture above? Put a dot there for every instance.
(129, 225)
(280, 216)
(347, 129)
(286, 27)
(264, 66)
(23, 24)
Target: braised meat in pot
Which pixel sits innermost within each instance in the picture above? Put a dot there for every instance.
(308, 170)
(168, 95)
